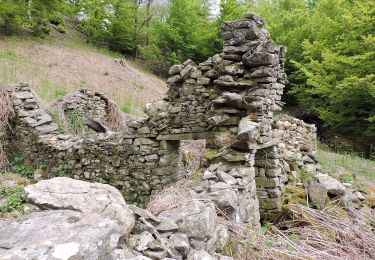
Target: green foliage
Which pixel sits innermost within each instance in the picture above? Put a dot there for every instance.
(17, 15)
(20, 166)
(304, 176)
(96, 17)
(13, 198)
(61, 28)
(124, 29)
(138, 198)
(346, 178)
(13, 16)
(330, 58)
(62, 170)
(187, 32)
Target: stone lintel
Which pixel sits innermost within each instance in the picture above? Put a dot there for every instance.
(186, 136)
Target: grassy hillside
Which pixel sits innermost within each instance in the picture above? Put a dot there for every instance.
(337, 164)
(59, 65)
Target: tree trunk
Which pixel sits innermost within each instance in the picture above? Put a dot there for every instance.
(29, 3)
(149, 2)
(135, 32)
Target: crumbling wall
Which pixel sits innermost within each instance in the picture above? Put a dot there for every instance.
(135, 164)
(298, 146)
(229, 100)
(86, 103)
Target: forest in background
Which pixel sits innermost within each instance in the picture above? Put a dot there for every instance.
(330, 43)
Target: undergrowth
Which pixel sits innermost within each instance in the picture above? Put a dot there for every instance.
(13, 197)
(20, 167)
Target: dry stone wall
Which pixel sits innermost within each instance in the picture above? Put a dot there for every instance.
(135, 164)
(229, 100)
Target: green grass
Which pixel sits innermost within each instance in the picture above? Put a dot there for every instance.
(138, 85)
(346, 163)
(50, 92)
(130, 105)
(8, 54)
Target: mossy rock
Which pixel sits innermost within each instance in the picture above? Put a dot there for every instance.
(295, 195)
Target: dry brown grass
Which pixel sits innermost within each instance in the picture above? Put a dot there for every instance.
(6, 108)
(16, 179)
(6, 115)
(116, 119)
(190, 160)
(331, 234)
(171, 197)
(314, 234)
(4, 162)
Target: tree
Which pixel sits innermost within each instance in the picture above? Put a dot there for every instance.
(13, 15)
(338, 66)
(186, 32)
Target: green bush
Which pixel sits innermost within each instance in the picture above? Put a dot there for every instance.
(13, 198)
(61, 29)
(19, 166)
(56, 19)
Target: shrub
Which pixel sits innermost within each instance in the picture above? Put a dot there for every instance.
(19, 166)
(56, 19)
(61, 29)
(13, 198)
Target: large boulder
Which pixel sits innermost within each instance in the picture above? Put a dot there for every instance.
(60, 234)
(81, 196)
(79, 220)
(323, 187)
(196, 219)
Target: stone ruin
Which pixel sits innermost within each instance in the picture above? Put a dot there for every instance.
(231, 100)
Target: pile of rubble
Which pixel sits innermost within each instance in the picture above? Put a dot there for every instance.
(81, 220)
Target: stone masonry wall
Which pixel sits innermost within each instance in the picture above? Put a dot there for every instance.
(135, 164)
(229, 100)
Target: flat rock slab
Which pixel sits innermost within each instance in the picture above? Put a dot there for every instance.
(81, 196)
(60, 234)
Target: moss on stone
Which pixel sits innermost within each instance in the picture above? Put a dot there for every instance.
(209, 155)
(295, 195)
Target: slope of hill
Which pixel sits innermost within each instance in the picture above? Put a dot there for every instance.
(60, 65)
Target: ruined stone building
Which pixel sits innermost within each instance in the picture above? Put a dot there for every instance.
(232, 100)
